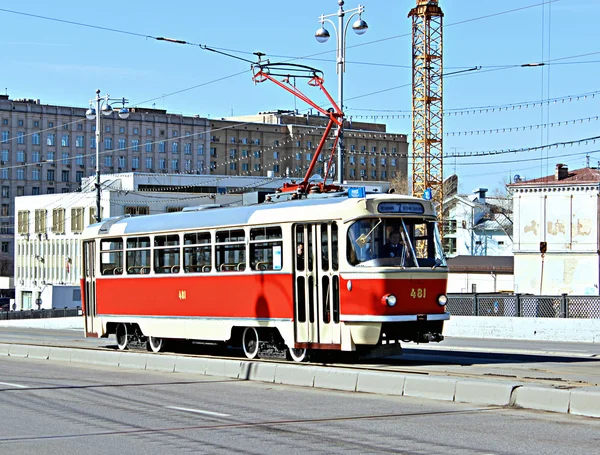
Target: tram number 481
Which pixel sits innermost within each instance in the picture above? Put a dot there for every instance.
(418, 293)
(182, 295)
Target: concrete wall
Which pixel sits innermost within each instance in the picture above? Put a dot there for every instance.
(462, 283)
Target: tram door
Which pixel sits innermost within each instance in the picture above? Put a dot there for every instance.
(89, 270)
(317, 302)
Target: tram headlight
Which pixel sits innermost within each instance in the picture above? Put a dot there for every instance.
(389, 300)
(442, 300)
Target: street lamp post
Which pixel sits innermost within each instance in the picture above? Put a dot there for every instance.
(97, 105)
(322, 35)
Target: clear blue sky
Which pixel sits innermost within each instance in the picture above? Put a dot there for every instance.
(62, 63)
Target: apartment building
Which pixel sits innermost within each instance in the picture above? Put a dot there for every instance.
(48, 149)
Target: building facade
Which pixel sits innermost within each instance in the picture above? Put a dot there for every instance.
(556, 241)
(478, 225)
(47, 149)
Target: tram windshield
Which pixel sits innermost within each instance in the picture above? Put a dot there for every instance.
(394, 242)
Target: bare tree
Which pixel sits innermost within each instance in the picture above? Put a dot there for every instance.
(400, 183)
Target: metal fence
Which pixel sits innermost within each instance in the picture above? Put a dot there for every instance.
(525, 305)
(40, 314)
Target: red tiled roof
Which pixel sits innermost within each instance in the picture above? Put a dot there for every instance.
(585, 175)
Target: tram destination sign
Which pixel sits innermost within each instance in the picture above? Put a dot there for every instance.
(401, 207)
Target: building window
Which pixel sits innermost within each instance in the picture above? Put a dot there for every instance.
(232, 153)
(148, 163)
(149, 132)
(244, 166)
(363, 160)
(20, 174)
(35, 191)
(351, 160)
(50, 175)
(137, 210)
(78, 176)
(373, 161)
(122, 129)
(65, 140)
(162, 164)
(64, 176)
(79, 142)
(40, 221)
(108, 143)
(92, 142)
(122, 144)
(20, 156)
(187, 148)
(352, 173)
(122, 162)
(175, 165)
(148, 146)
(5, 156)
(233, 166)
(23, 222)
(5, 247)
(161, 147)
(175, 147)
(79, 159)
(5, 209)
(35, 139)
(107, 129)
(449, 245)
(35, 174)
(77, 219)
(135, 162)
(5, 136)
(50, 139)
(136, 131)
(20, 191)
(108, 161)
(20, 137)
(5, 191)
(5, 173)
(201, 149)
(135, 145)
(175, 133)
(58, 221)
(188, 165)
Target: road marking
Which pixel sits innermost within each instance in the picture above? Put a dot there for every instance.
(199, 411)
(14, 385)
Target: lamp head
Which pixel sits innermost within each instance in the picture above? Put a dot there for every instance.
(90, 114)
(123, 113)
(322, 35)
(107, 109)
(360, 27)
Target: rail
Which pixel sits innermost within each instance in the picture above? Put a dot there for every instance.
(40, 314)
(525, 305)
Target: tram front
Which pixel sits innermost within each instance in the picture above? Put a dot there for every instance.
(393, 284)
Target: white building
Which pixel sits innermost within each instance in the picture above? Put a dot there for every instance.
(556, 237)
(49, 226)
(470, 274)
(477, 225)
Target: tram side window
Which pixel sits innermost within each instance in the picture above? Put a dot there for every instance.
(197, 252)
(230, 250)
(137, 259)
(111, 256)
(266, 248)
(166, 254)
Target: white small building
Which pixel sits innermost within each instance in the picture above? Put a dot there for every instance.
(49, 227)
(482, 274)
(556, 237)
(477, 225)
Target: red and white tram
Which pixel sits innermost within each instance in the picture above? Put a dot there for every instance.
(288, 277)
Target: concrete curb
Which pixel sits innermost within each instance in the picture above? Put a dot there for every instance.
(578, 401)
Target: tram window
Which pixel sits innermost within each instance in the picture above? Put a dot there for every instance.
(197, 259)
(138, 255)
(234, 235)
(196, 238)
(230, 250)
(166, 254)
(266, 255)
(334, 246)
(266, 233)
(111, 257)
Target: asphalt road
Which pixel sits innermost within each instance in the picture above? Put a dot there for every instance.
(57, 408)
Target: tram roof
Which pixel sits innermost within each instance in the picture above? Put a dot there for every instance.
(317, 209)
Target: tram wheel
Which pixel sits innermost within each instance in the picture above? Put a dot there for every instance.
(297, 355)
(250, 342)
(155, 344)
(122, 337)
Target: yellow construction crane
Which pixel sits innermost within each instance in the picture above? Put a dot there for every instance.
(427, 109)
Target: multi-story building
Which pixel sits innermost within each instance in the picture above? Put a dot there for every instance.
(47, 149)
